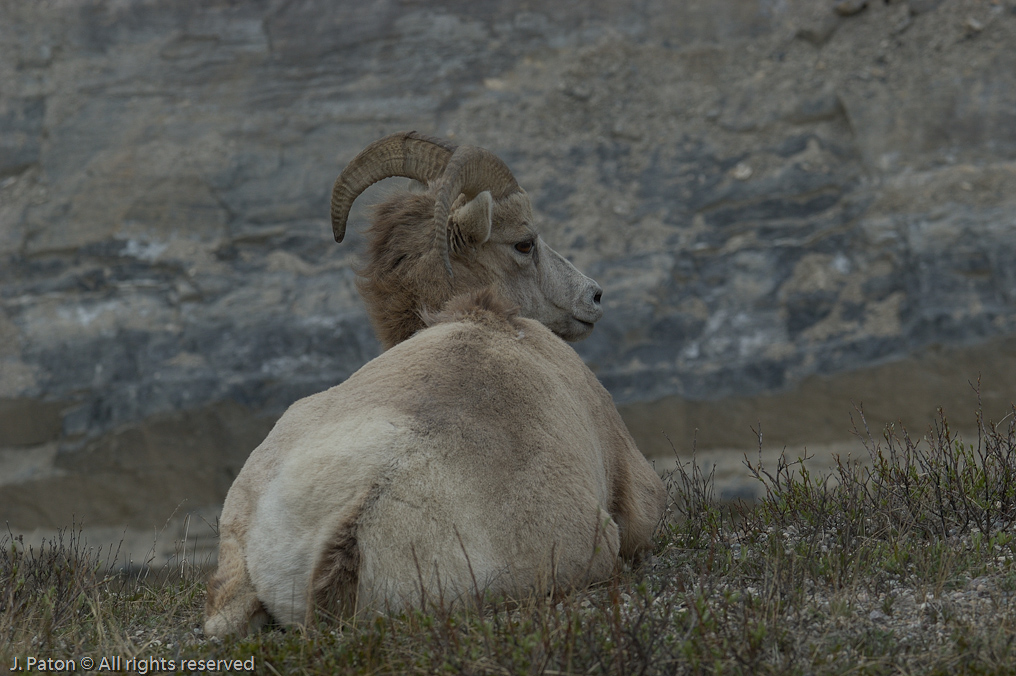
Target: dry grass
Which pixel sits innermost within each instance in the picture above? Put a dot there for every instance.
(903, 565)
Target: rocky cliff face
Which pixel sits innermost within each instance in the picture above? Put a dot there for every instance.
(769, 192)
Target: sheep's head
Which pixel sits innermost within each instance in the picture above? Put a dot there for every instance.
(472, 228)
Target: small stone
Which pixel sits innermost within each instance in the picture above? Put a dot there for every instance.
(849, 7)
(973, 25)
(742, 172)
(819, 32)
(903, 24)
(877, 616)
(579, 92)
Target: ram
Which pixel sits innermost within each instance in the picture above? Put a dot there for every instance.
(477, 453)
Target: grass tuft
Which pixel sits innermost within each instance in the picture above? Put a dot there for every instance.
(902, 563)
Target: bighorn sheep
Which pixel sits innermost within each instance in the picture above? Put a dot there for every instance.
(478, 451)
(481, 451)
(473, 228)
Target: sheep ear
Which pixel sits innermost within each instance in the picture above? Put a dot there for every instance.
(473, 219)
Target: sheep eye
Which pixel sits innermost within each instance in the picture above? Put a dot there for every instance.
(524, 247)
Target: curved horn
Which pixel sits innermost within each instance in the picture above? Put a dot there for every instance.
(470, 171)
(408, 154)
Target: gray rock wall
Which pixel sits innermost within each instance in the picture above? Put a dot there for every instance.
(768, 193)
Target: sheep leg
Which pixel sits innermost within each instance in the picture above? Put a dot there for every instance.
(233, 606)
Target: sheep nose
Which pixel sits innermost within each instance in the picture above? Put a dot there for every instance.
(592, 300)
